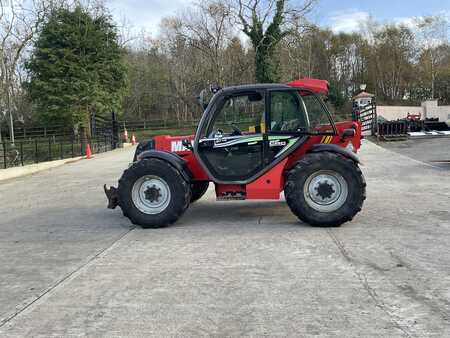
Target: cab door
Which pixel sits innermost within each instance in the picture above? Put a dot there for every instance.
(287, 122)
(232, 147)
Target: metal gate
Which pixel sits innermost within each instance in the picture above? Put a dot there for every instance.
(367, 115)
(101, 127)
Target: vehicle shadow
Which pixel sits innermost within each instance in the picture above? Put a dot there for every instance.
(228, 213)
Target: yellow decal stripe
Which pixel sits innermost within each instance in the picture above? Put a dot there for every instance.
(326, 139)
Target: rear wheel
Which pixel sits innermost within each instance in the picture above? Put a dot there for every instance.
(153, 194)
(198, 189)
(325, 189)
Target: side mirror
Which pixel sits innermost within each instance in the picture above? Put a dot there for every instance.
(348, 133)
(187, 144)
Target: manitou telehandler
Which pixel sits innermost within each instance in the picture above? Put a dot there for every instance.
(253, 142)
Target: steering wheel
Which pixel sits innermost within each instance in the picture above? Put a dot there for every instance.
(236, 130)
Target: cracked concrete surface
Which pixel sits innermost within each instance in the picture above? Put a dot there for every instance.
(69, 267)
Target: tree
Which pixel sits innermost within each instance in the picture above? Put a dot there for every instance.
(393, 54)
(238, 65)
(206, 27)
(433, 33)
(76, 69)
(18, 26)
(266, 23)
(186, 68)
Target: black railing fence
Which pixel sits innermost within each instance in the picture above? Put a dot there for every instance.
(32, 132)
(98, 128)
(156, 124)
(24, 152)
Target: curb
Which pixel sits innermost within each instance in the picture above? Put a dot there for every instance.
(14, 172)
(9, 173)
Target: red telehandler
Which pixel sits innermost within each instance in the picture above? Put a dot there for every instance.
(252, 142)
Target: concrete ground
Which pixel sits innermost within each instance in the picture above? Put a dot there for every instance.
(435, 151)
(70, 267)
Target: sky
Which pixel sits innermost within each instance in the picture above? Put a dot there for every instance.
(340, 16)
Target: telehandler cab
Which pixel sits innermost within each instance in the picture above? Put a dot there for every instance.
(252, 142)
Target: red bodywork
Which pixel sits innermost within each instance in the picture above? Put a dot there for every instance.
(270, 184)
(315, 85)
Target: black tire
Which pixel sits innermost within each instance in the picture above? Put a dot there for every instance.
(180, 193)
(198, 189)
(314, 164)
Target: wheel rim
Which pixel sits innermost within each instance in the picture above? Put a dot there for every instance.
(151, 194)
(325, 191)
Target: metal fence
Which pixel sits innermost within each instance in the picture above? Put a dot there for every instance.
(25, 152)
(98, 128)
(32, 132)
(155, 124)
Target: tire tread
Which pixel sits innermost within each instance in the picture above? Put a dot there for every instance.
(302, 210)
(145, 167)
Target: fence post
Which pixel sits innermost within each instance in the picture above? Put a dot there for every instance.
(115, 131)
(21, 153)
(36, 151)
(61, 149)
(4, 155)
(49, 149)
(73, 155)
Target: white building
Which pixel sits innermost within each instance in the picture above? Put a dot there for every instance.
(363, 99)
(428, 109)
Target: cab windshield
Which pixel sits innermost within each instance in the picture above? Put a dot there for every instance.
(298, 112)
(319, 118)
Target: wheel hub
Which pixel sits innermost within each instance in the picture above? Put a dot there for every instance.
(151, 194)
(325, 191)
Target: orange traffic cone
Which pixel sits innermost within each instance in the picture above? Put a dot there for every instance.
(133, 139)
(125, 135)
(88, 151)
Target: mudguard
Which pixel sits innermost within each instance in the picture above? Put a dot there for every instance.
(318, 148)
(143, 146)
(176, 161)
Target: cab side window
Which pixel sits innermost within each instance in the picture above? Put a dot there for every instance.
(287, 113)
(242, 114)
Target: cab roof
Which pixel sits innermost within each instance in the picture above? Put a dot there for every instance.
(315, 85)
(253, 87)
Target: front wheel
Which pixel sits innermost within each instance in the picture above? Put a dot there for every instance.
(325, 189)
(153, 194)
